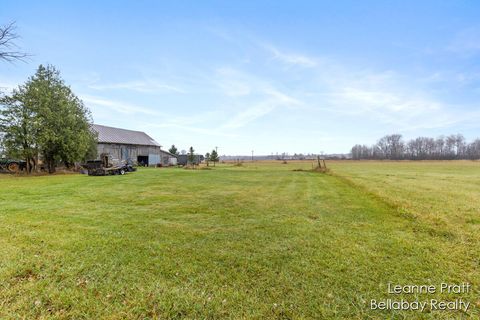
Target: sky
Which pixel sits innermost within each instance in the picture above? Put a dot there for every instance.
(267, 76)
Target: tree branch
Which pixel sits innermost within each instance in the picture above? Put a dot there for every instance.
(8, 49)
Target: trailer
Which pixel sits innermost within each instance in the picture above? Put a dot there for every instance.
(107, 166)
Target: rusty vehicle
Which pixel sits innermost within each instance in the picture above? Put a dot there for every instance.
(12, 165)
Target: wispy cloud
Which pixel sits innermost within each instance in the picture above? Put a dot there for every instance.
(397, 105)
(273, 99)
(315, 89)
(118, 106)
(233, 83)
(156, 118)
(255, 97)
(193, 129)
(466, 43)
(139, 86)
(249, 114)
(377, 95)
(291, 58)
(385, 101)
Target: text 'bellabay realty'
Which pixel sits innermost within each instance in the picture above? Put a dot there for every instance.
(431, 304)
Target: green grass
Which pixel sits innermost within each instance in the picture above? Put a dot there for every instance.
(258, 241)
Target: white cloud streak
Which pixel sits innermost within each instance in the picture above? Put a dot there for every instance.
(118, 106)
(466, 43)
(139, 86)
(260, 96)
(291, 58)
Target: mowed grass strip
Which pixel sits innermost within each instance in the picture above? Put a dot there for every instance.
(258, 241)
(441, 197)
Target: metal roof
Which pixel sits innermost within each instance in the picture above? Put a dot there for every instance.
(170, 154)
(123, 136)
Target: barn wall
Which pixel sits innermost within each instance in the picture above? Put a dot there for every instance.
(125, 151)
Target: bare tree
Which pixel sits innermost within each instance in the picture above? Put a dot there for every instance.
(440, 147)
(8, 49)
(422, 148)
(473, 150)
(391, 147)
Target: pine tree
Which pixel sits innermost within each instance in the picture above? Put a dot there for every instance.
(214, 157)
(44, 116)
(173, 150)
(191, 156)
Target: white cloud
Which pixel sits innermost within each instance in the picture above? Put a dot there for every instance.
(139, 86)
(466, 43)
(386, 101)
(192, 128)
(118, 106)
(155, 118)
(254, 96)
(272, 99)
(233, 83)
(282, 98)
(291, 58)
(250, 114)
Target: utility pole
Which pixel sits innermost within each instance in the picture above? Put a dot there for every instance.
(252, 155)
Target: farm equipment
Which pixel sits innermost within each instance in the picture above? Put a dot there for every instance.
(11, 165)
(107, 166)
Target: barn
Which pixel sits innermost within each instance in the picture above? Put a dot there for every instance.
(135, 147)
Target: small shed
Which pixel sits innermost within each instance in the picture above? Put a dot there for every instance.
(168, 159)
(183, 159)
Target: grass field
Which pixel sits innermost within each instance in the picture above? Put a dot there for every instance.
(258, 241)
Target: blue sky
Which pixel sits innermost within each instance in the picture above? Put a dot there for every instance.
(268, 76)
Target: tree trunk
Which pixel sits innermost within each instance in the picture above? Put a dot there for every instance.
(34, 162)
(27, 160)
(50, 165)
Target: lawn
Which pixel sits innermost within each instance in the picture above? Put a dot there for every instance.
(257, 241)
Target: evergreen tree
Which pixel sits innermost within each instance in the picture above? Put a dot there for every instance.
(18, 127)
(173, 150)
(191, 156)
(214, 157)
(44, 116)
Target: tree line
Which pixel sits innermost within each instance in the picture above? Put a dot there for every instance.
(393, 147)
(209, 156)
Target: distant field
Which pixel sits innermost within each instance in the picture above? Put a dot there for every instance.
(262, 240)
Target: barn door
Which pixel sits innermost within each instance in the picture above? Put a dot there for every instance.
(124, 152)
(153, 159)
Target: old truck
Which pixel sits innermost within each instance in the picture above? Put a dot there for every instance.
(107, 166)
(12, 165)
